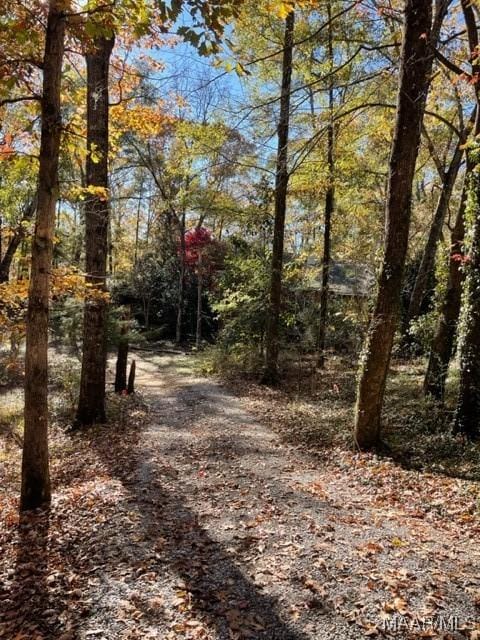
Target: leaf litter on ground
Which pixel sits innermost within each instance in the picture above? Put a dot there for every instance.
(188, 517)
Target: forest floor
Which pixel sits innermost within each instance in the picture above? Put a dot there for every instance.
(190, 517)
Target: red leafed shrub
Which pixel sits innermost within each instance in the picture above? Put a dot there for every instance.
(195, 242)
(460, 257)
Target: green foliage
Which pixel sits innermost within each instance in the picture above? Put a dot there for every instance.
(473, 205)
(122, 326)
(241, 299)
(207, 20)
(347, 323)
(239, 360)
(472, 211)
(241, 303)
(151, 288)
(422, 330)
(66, 323)
(17, 188)
(65, 378)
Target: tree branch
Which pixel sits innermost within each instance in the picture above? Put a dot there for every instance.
(19, 99)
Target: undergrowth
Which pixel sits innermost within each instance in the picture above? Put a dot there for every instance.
(315, 409)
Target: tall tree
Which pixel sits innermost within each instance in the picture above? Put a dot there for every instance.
(91, 404)
(329, 200)
(418, 42)
(35, 489)
(270, 375)
(443, 339)
(468, 405)
(181, 280)
(427, 263)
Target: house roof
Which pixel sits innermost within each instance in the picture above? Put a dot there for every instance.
(345, 278)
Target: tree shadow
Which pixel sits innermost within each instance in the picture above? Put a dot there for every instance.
(217, 589)
(25, 599)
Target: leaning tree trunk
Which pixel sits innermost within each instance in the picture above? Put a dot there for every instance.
(7, 259)
(443, 340)
(427, 264)
(91, 405)
(14, 242)
(35, 468)
(329, 206)
(270, 375)
(415, 76)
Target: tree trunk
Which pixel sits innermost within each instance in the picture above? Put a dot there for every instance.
(146, 313)
(181, 282)
(15, 240)
(111, 265)
(7, 259)
(198, 333)
(427, 264)
(23, 268)
(442, 343)
(35, 489)
(415, 75)
(15, 341)
(131, 378)
(326, 262)
(270, 375)
(137, 227)
(329, 207)
(122, 361)
(91, 406)
(468, 404)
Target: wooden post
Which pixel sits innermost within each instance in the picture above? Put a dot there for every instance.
(131, 378)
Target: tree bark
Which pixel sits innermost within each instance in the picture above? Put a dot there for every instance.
(35, 489)
(270, 375)
(131, 378)
(442, 343)
(91, 405)
(329, 206)
(468, 404)
(122, 361)
(146, 312)
(427, 264)
(137, 226)
(181, 282)
(415, 76)
(198, 333)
